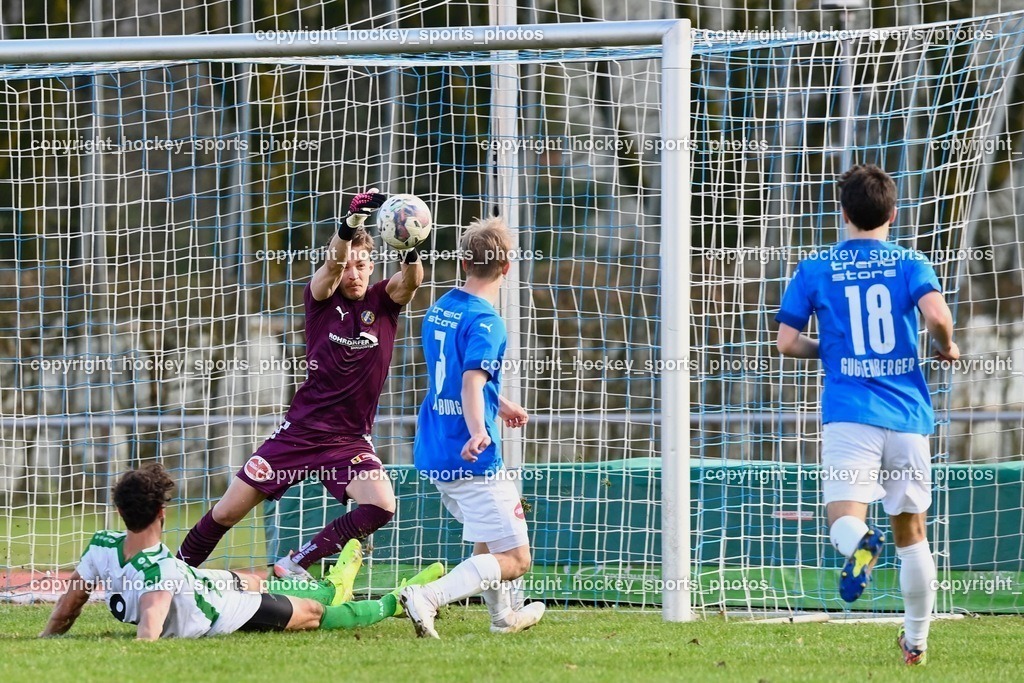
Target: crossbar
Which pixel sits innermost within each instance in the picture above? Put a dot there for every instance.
(334, 42)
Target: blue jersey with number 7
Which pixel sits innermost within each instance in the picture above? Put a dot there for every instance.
(864, 294)
(461, 332)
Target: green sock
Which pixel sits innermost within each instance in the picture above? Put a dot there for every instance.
(390, 601)
(358, 613)
(321, 591)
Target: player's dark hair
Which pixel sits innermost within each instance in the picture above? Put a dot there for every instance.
(140, 494)
(868, 195)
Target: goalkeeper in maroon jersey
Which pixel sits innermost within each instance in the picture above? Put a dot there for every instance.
(350, 336)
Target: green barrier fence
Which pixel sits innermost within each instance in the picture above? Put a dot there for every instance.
(759, 535)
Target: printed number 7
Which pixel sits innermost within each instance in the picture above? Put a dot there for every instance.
(439, 366)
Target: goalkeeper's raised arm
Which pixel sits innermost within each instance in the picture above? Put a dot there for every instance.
(328, 276)
(403, 284)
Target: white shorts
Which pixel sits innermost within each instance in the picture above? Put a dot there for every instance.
(490, 510)
(237, 608)
(864, 463)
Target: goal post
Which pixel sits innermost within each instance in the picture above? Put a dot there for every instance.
(231, 428)
(675, 319)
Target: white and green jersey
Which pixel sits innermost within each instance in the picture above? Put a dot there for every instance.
(204, 602)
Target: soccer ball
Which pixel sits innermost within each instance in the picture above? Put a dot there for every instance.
(404, 221)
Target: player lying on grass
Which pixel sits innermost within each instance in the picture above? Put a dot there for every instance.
(458, 440)
(148, 586)
(350, 336)
(876, 410)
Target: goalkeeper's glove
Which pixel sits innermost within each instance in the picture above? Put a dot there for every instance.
(359, 209)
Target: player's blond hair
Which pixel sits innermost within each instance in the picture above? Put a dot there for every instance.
(486, 248)
(362, 245)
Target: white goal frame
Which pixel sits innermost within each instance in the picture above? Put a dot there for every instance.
(674, 37)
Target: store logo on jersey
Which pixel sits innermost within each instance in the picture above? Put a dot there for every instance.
(367, 317)
(258, 469)
(518, 512)
(851, 271)
(341, 312)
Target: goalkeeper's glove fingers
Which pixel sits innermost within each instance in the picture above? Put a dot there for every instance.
(366, 203)
(359, 209)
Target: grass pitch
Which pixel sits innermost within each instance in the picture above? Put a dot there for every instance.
(574, 645)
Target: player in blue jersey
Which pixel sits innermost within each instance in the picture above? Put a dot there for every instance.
(876, 410)
(458, 440)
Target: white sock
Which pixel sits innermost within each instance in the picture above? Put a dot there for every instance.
(917, 582)
(499, 603)
(517, 594)
(846, 533)
(469, 578)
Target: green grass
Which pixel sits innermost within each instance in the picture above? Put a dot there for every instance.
(576, 645)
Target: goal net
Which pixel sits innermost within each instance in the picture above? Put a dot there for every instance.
(158, 222)
(777, 123)
(162, 219)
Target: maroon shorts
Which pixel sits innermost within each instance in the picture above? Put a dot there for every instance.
(293, 453)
